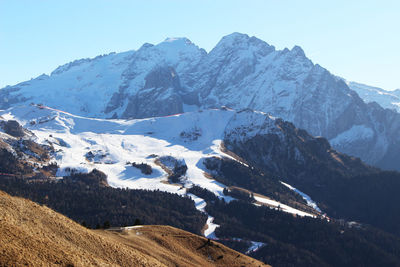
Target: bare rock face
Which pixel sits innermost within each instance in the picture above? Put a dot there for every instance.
(159, 96)
(12, 128)
(10, 96)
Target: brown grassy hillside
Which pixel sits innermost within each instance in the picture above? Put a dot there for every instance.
(33, 235)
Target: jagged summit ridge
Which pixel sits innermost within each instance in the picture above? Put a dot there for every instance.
(239, 72)
(387, 99)
(182, 40)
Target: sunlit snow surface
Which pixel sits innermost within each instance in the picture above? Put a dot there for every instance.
(191, 136)
(306, 197)
(85, 86)
(255, 246)
(200, 203)
(357, 132)
(282, 207)
(387, 99)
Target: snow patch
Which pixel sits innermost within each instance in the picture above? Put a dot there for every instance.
(306, 197)
(211, 226)
(357, 132)
(255, 246)
(282, 207)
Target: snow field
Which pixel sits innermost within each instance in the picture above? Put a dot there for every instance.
(283, 207)
(306, 197)
(114, 143)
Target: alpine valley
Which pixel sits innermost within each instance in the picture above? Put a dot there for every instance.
(256, 148)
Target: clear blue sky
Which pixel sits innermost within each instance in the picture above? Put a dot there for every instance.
(358, 40)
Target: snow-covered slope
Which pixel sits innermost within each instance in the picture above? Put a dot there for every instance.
(387, 99)
(240, 72)
(117, 142)
(84, 86)
(111, 146)
(109, 84)
(243, 71)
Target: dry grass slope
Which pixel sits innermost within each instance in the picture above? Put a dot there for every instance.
(33, 235)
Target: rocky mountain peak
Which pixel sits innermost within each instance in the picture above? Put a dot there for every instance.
(236, 42)
(298, 51)
(239, 72)
(178, 40)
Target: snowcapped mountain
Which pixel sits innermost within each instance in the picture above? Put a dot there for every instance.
(112, 83)
(240, 72)
(387, 99)
(148, 153)
(161, 143)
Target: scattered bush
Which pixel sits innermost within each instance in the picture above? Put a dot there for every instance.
(143, 167)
